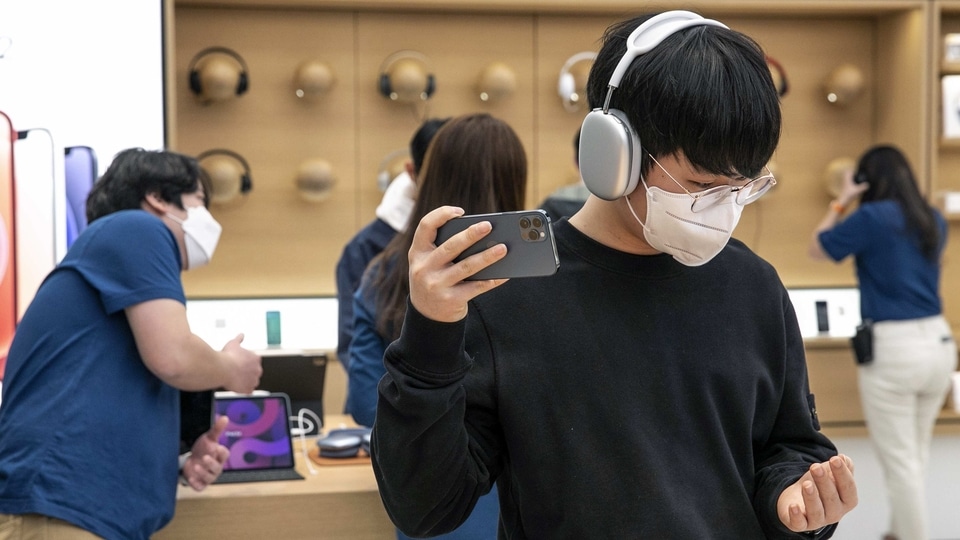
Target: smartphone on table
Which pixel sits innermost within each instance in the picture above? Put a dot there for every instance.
(528, 235)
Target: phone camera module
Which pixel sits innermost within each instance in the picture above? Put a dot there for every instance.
(532, 228)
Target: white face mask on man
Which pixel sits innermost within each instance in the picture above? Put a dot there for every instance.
(201, 232)
(694, 228)
(693, 238)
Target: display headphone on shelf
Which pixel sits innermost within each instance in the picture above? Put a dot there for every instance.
(246, 181)
(776, 68)
(567, 84)
(384, 174)
(385, 85)
(243, 82)
(609, 146)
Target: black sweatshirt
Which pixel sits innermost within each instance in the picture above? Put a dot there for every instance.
(627, 396)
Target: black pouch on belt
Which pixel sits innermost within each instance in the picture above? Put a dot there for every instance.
(862, 342)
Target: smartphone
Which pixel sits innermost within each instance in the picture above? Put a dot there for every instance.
(528, 235)
(273, 328)
(8, 286)
(823, 322)
(80, 172)
(35, 181)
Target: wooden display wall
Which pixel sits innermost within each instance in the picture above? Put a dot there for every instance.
(276, 244)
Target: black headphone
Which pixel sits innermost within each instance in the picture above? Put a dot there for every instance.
(774, 65)
(386, 89)
(609, 146)
(197, 88)
(246, 182)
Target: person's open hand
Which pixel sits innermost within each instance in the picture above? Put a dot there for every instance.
(823, 495)
(437, 287)
(207, 457)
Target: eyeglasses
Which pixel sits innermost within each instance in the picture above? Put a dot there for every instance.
(745, 194)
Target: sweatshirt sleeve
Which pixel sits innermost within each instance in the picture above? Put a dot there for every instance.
(794, 443)
(421, 420)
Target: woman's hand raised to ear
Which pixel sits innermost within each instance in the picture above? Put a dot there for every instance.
(437, 287)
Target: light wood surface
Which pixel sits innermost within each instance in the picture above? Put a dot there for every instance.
(833, 380)
(338, 501)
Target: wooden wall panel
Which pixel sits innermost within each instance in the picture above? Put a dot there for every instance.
(459, 47)
(274, 243)
(815, 132)
(559, 38)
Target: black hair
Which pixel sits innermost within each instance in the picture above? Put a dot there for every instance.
(705, 91)
(136, 172)
(888, 172)
(421, 141)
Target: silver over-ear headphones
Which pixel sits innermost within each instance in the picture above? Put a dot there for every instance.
(609, 146)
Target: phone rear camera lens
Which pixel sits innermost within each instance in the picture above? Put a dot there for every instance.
(524, 223)
(537, 222)
(533, 235)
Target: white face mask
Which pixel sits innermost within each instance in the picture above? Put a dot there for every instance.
(693, 238)
(201, 232)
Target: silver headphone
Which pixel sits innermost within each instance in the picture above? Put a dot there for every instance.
(567, 85)
(609, 146)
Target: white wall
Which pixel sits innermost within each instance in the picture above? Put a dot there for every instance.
(89, 73)
(308, 323)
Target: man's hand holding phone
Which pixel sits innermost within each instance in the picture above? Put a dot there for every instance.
(438, 286)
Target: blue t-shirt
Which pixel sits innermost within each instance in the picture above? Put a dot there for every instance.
(87, 433)
(896, 281)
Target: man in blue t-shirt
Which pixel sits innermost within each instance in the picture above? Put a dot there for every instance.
(89, 426)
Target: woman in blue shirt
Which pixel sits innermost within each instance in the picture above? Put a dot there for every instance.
(897, 241)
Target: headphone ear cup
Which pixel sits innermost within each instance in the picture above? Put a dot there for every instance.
(609, 154)
(566, 86)
(195, 85)
(246, 183)
(242, 83)
(431, 85)
(385, 88)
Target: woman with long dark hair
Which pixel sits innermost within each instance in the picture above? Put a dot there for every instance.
(478, 163)
(897, 241)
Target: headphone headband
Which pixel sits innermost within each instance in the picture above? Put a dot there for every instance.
(650, 34)
(404, 53)
(579, 57)
(784, 86)
(214, 50)
(246, 182)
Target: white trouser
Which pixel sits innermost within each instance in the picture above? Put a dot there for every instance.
(902, 392)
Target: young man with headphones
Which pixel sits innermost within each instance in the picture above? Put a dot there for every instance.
(656, 385)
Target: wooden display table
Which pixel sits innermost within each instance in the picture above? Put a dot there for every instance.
(339, 501)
